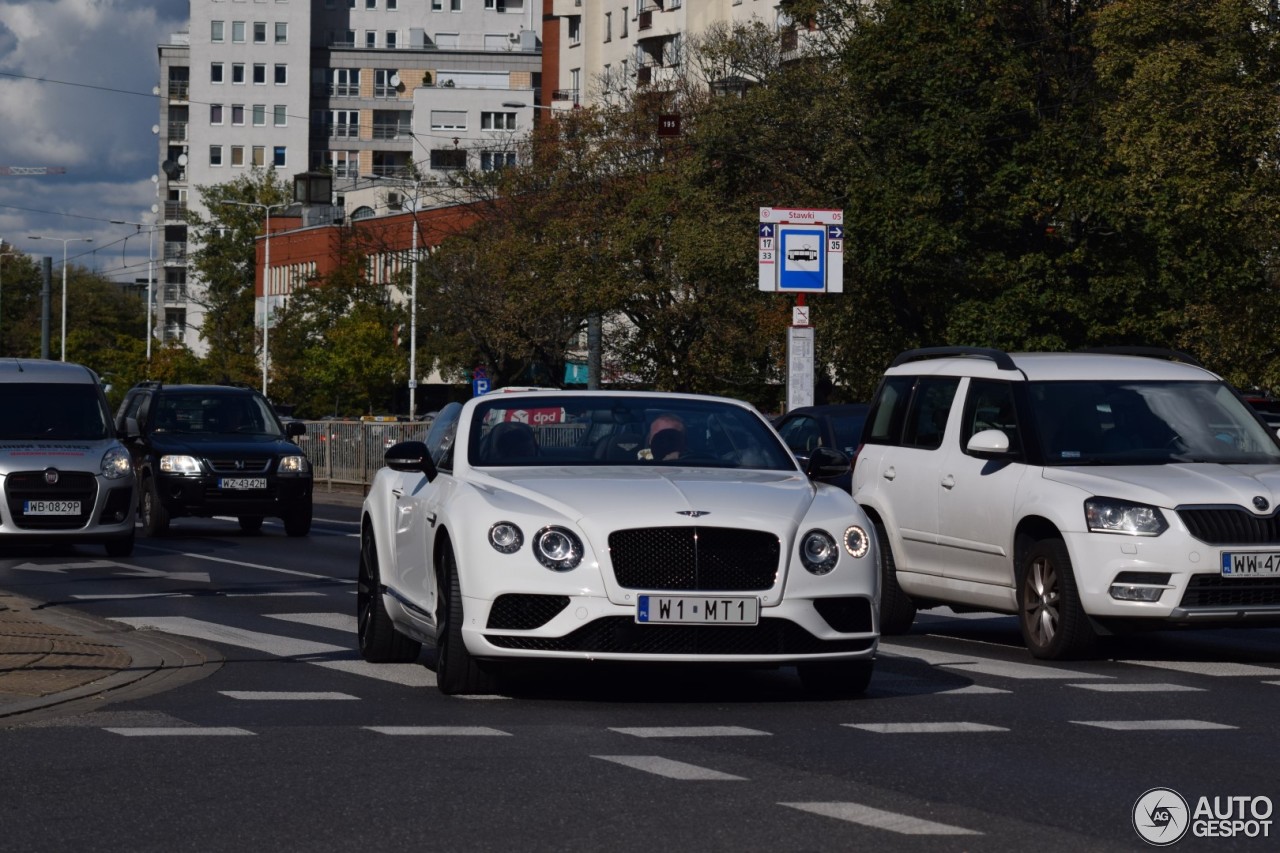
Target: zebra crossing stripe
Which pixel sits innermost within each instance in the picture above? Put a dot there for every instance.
(450, 731)
(923, 728)
(179, 731)
(406, 674)
(1152, 725)
(689, 731)
(880, 819)
(660, 766)
(1139, 688)
(280, 696)
(271, 644)
(1217, 669)
(345, 622)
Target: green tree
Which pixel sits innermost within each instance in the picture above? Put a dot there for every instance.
(224, 260)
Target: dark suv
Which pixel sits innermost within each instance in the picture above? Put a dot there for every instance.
(206, 450)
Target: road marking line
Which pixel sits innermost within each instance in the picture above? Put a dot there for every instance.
(276, 695)
(1220, 669)
(337, 621)
(1152, 725)
(1021, 671)
(880, 819)
(272, 644)
(1139, 688)
(243, 564)
(451, 731)
(923, 728)
(660, 766)
(179, 730)
(406, 674)
(689, 731)
(972, 689)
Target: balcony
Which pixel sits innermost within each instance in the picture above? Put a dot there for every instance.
(644, 20)
(175, 253)
(179, 90)
(790, 40)
(173, 333)
(175, 294)
(175, 210)
(644, 75)
(177, 131)
(565, 95)
(391, 131)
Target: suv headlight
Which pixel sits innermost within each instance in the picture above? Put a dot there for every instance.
(116, 463)
(1110, 515)
(294, 465)
(179, 465)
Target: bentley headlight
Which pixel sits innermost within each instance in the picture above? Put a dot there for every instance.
(294, 465)
(1110, 515)
(505, 537)
(819, 552)
(116, 463)
(856, 542)
(179, 465)
(557, 549)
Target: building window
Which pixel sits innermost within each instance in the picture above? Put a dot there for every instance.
(259, 32)
(280, 115)
(282, 74)
(371, 4)
(278, 158)
(215, 155)
(370, 38)
(259, 115)
(217, 31)
(215, 72)
(259, 74)
(237, 72)
(215, 114)
(447, 41)
(237, 113)
(392, 39)
(575, 29)
(259, 155)
(382, 87)
(608, 26)
(623, 34)
(455, 5)
(497, 121)
(282, 32)
(392, 5)
(443, 159)
(437, 5)
(237, 155)
(493, 160)
(237, 32)
(448, 120)
(345, 83)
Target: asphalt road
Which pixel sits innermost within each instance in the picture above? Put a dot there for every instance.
(963, 742)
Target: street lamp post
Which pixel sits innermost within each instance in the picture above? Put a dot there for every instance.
(413, 300)
(64, 241)
(151, 275)
(266, 281)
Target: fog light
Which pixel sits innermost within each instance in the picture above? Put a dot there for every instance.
(1132, 592)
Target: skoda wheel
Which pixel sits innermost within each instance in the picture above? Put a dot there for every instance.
(897, 610)
(1053, 622)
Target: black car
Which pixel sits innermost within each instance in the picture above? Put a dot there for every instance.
(206, 450)
(837, 425)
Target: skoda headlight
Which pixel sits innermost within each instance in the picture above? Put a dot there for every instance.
(294, 465)
(1110, 515)
(819, 552)
(557, 549)
(179, 465)
(116, 463)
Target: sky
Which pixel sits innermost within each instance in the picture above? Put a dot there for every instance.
(95, 121)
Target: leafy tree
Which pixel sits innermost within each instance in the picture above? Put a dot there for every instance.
(224, 259)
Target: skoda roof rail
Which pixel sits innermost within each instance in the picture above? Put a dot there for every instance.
(1000, 357)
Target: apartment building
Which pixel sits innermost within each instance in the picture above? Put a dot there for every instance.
(632, 42)
(356, 88)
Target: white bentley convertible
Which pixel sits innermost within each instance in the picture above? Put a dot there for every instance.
(614, 526)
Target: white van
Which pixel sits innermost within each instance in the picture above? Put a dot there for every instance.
(66, 477)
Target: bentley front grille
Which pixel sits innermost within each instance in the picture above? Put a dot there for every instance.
(722, 559)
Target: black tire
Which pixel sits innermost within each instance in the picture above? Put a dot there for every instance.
(378, 638)
(843, 679)
(122, 547)
(250, 523)
(457, 672)
(1053, 622)
(298, 522)
(155, 518)
(897, 610)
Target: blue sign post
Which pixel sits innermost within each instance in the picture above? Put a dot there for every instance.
(804, 260)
